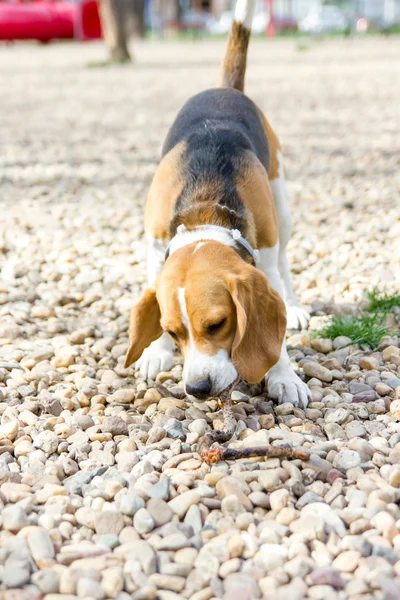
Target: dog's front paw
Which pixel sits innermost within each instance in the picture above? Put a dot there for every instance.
(156, 358)
(286, 386)
(297, 316)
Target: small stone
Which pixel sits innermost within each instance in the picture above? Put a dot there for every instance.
(385, 524)
(112, 581)
(323, 345)
(46, 441)
(88, 588)
(14, 518)
(270, 479)
(228, 486)
(122, 397)
(52, 406)
(16, 577)
(334, 431)
(115, 425)
(383, 390)
(279, 499)
(355, 429)
(9, 430)
(388, 352)
(108, 521)
(346, 459)
(159, 511)
(339, 415)
(313, 369)
(85, 516)
(47, 580)
(175, 541)
(327, 576)
(193, 518)
(237, 396)
(308, 498)
(160, 490)
(167, 582)
(394, 476)
(284, 409)
(130, 504)
(347, 561)
(266, 421)
(181, 504)
(143, 522)
(231, 506)
(369, 363)
(174, 429)
(41, 545)
(259, 499)
(341, 342)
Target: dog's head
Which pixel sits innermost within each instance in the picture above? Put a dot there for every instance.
(222, 312)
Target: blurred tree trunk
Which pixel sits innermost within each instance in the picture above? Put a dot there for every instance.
(119, 19)
(114, 31)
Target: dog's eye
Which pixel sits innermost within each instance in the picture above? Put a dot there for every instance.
(173, 335)
(216, 326)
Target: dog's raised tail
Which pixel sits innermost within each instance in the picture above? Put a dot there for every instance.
(234, 67)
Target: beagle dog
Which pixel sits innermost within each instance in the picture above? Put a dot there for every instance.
(217, 222)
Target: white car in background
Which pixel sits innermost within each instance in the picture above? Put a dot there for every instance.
(322, 19)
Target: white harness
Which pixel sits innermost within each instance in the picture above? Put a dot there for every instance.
(229, 237)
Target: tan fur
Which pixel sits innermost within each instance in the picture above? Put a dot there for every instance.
(261, 324)
(144, 326)
(234, 67)
(274, 147)
(255, 192)
(165, 189)
(218, 285)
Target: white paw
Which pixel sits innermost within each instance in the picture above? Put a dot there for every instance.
(155, 358)
(297, 317)
(286, 386)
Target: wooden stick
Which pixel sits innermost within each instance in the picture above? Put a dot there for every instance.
(217, 454)
(212, 455)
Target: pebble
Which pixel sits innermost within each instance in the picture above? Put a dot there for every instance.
(47, 580)
(46, 441)
(181, 504)
(143, 522)
(108, 521)
(130, 504)
(41, 545)
(346, 459)
(347, 561)
(14, 518)
(114, 425)
(313, 369)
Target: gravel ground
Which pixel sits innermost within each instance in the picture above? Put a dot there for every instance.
(102, 492)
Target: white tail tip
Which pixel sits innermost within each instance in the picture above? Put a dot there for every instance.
(244, 12)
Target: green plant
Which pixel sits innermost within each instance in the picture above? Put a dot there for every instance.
(381, 301)
(365, 329)
(369, 326)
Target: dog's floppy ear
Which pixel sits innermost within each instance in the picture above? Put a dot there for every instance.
(261, 324)
(144, 326)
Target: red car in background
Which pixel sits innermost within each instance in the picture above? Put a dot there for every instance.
(44, 20)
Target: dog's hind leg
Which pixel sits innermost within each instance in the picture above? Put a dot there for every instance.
(297, 317)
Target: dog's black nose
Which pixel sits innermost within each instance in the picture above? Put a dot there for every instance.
(199, 389)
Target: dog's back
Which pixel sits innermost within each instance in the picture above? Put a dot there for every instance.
(217, 129)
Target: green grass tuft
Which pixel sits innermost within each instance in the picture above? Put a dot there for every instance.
(365, 329)
(368, 327)
(380, 302)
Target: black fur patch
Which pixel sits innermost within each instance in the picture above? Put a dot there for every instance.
(218, 126)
